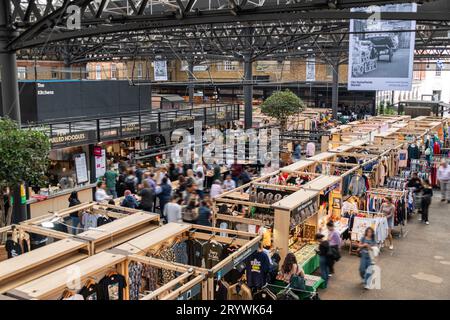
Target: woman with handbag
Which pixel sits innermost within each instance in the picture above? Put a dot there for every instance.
(427, 195)
(334, 240)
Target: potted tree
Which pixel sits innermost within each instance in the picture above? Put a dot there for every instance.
(23, 158)
(281, 105)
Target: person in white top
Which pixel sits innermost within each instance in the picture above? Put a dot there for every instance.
(443, 177)
(100, 194)
(172, 211)
(216, 189)
(310, 149)
(229, 184)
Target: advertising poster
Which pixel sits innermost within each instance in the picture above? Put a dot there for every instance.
(81, 168)
(381, 52)
(311, 69)
(160, 70)
(100, 164)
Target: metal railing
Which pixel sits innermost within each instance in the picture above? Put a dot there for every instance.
(147, 122)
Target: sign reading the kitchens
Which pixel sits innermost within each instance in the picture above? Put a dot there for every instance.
(73, 139)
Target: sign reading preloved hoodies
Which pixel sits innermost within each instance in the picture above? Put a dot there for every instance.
(381, 52)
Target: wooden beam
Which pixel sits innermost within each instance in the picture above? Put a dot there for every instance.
(227, 240)
(167, 286)
(175, 294)
(231, 218)
(214, 229)
(44, 231)
(245, 203)
(234, 255)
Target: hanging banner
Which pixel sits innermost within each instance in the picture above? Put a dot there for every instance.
(311, 69)
(100, 164)
(160, 70)
(381, 52)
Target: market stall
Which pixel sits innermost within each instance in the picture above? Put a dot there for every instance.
(213, 251)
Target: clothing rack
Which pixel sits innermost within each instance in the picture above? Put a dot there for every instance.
(395, 195)
(247, 242)
(178, 286)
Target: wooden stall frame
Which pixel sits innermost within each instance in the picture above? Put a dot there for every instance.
(186, 273)
(40, 262)
(52, 285)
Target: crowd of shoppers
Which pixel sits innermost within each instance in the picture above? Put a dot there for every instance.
(178, 192)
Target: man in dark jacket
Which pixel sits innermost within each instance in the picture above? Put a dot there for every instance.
(147, 197)
(164, 192)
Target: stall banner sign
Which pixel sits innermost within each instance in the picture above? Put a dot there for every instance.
(193, 292)
(381, 52)
(305, 210)
(100, 164)
(73, 139)
(160, 70)
(238, 260)
(268, 196)
(331, 188)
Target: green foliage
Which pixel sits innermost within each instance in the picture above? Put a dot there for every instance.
(386, 109)
(281, 105)
(23, 154)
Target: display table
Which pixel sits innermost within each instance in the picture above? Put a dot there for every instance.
(311, 265)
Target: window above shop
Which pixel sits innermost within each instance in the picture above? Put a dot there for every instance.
(98, 72)
(113, 72)
(21, 73)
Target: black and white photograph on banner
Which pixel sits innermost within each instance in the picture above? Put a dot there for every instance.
(311, 69)
(381, 52)
(160, 67)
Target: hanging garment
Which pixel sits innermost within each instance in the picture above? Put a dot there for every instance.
(357, 186)
(212, 254)
(135, 271)
(112, 287)
(13, 249)
(221, 290)
(257, 267)
(90, 291)
(413, 152)
(239, 291)
(195, 253)
(89, 220)
(437, 148)
(180, 251)
(150, 278)
(310, 149)
(167, 254)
